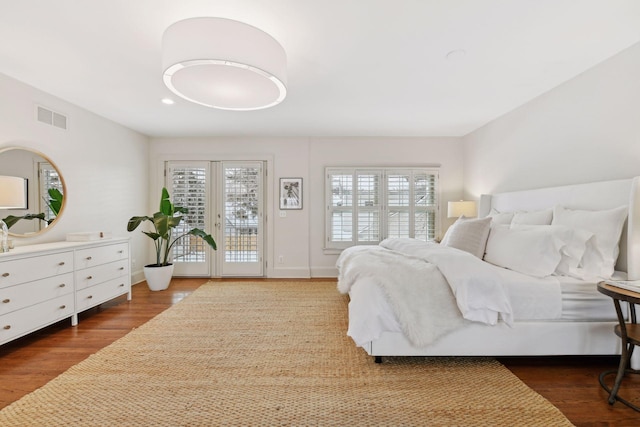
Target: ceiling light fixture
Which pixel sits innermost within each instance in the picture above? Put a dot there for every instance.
(226, 64)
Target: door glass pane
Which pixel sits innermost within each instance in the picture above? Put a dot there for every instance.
(241, 217)
(189, 191)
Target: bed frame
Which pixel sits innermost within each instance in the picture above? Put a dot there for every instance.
(540, 338)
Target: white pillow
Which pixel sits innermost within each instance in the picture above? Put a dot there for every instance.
(526, 250)
(469, 235)
(500, 217)
(606, 225)
(542, 217)
(575, 242)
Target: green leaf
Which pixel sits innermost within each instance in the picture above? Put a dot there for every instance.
(135, 221)
(55, 200)
(166, 207)
(11, 220)
(206, 237)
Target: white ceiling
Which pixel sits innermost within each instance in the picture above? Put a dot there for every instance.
(355, 67)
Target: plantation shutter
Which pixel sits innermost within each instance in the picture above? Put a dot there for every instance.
(188, 189)
(365, 206)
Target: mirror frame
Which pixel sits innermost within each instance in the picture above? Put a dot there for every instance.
(64, 189)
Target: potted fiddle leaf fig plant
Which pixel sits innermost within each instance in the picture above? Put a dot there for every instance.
(164, 223)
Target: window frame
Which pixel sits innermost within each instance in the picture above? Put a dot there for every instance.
(382, 208)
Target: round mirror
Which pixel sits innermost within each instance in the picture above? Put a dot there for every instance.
(44, 191)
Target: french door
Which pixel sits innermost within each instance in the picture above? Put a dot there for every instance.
(224, 198)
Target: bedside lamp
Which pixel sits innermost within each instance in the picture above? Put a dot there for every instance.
(462, 207)
(12, 196)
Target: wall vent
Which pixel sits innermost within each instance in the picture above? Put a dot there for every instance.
(44, 115)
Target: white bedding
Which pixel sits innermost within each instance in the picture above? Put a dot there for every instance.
(479, 292)
(529, 298)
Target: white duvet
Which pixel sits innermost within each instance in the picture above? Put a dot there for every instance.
(426, 290)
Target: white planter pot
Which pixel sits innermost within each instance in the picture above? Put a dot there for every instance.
(158, 278)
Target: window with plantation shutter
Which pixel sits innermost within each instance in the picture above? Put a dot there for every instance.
(367, 205)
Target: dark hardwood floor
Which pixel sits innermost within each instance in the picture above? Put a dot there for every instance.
(570, 383)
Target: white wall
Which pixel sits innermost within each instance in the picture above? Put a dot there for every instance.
(299, 237)
(103, 164)
(587, 129)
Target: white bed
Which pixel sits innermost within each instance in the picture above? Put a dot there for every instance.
(584, 322)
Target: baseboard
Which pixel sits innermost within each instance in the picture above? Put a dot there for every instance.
(286, 273)
(324, 272)
(137, 277)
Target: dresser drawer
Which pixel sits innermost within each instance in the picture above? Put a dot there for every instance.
(33, 268)
(21, 322)
(90, 297)
(90, 257)
(101, 273)
(14, 298)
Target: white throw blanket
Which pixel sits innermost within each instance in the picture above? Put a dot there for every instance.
(430, 288)
(418, 294)
(480, 292)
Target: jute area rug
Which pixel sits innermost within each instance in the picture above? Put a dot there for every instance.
(272, 353)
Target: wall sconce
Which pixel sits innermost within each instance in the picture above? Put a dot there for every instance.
(460, 208)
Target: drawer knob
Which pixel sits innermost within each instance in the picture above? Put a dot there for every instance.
(90, 296)
(5, 274)
(62, 307)
(62, 285)
(121, 268)
(88, 258)
(120, 252)
(6, 301)
(7, 327)
(61, 263)
(89, 277)
(121, 285)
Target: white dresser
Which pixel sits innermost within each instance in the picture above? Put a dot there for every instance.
(42, 284)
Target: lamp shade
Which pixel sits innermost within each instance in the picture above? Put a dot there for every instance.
(462, 207)
(13, 194)
(222, 63)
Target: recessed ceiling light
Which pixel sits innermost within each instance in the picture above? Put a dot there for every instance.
(168, 101)
(456, 54)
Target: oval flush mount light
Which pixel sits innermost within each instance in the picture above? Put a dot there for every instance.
(222, 63)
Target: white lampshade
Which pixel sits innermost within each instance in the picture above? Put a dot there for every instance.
(13, 194)
(226, 64)
(462, 207)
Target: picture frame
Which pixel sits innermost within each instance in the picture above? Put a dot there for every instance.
(290, 193)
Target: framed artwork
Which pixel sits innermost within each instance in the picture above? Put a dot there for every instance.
(290, 193)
